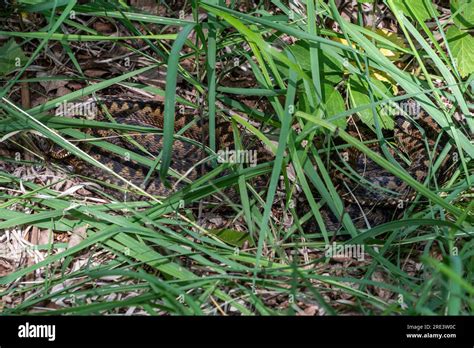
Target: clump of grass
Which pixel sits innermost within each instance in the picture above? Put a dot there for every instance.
(306, 60)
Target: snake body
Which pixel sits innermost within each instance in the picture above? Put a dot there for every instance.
(149, 114)
(364, 203)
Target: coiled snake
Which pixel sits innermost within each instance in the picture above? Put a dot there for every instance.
(366, 204)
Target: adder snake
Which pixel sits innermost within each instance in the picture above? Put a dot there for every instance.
(364, 203)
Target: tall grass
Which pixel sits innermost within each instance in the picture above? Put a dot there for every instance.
(160, 258)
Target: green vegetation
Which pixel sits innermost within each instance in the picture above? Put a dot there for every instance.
(314, 70)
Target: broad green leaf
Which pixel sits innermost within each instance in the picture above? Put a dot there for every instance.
(414, 9)
(232, 237)
(11, 57)
(331, 68)
(395, 39)
(334, 104)
(465, 17)
(461, 44)
(359, 97)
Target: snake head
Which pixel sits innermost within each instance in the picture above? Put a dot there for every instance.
(50, 149)
(56, 152)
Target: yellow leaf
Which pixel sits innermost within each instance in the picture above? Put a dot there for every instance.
(381, 76)
(395, 39)
(343, 41)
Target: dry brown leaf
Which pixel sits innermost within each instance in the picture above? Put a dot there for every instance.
(78, 235)
(380, 277)
(52, 84)
(62, 91)
(74, 85)
(5, 267)
(104, 28)
(95, 72)
(45, 237)
(311, 310)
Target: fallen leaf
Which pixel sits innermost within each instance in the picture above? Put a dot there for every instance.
(5, 267)
(104, 28)
(95, 72)
(50, 85)
(62, 91)
(11, 57)
(78, 235)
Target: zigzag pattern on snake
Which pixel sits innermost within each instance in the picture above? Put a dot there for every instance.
(366, 204)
